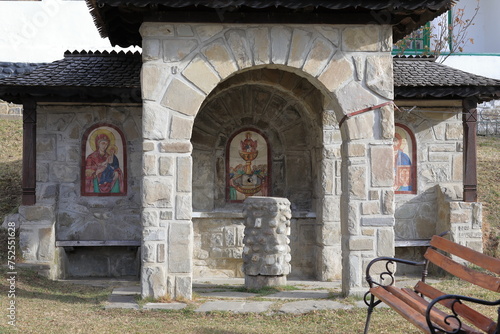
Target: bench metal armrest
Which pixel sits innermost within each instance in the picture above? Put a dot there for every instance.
(457, 299)
(390, 269)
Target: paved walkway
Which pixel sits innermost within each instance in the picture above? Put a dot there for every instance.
(226, 294)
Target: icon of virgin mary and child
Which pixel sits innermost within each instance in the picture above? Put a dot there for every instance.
(102, 167)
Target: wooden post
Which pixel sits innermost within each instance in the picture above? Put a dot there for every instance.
(469, 119)
(29, 152)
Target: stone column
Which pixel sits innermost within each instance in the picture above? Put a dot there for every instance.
(367, 203)
(266, 253)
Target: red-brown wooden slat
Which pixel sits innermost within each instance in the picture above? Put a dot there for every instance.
(479, 320)
(419, 306)
(484, 261)
(463, 272)
(402, 308)
(423, 303)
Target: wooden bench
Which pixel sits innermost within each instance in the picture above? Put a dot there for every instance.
(418, 305)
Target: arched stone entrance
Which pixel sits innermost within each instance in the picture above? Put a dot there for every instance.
(187, 68)
(286, 109)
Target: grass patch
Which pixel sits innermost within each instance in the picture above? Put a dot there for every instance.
(58, 307)
(488, 174)
(11, 142)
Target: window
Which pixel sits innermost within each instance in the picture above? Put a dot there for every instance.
(417, 43)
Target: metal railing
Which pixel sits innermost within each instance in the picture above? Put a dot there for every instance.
(488, 123)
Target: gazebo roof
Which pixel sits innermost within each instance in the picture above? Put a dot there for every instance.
(97, 76)
(120, 19)
(421, 78)
(115, 76)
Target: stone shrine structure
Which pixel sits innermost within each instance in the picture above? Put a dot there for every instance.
(131, 163)
(266, 253)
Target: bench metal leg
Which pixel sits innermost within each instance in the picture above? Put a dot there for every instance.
(371, 305)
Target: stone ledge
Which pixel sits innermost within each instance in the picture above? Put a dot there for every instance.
(233, 214)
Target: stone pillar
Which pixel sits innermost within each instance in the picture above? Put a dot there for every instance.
(367, 203)
(266, 253)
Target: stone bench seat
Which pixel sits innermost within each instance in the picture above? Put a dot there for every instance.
(412, 242)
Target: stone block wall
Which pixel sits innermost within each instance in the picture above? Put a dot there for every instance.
(61, 213)
(350, 68)
(439, 144)
(218, 245)
(463, 220)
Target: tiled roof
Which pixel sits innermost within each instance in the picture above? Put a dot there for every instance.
(8, 69)
(100, 74)
(120, 19)
(80, 76)
(85, 69)
(423, 78)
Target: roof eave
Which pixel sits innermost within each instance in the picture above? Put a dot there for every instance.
(120, 20)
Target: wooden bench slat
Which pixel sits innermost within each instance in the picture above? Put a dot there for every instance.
(484, 261)
(413, 304)
(477, 319)
(463, 272)
(402, 308)
(442, 314)
(420, 306)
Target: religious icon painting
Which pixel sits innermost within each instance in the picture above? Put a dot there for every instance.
(247, 165)
(405, 181)
(104, 162)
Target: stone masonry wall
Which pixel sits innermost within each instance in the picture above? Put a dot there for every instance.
(61, 213)
(439, 136)
(350, 66)
(218, 245)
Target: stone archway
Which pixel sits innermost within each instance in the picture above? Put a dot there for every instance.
(349, 65)
(290, 118)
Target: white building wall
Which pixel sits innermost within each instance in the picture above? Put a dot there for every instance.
(482, 57)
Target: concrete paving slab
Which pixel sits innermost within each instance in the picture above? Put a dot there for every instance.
(164, 306)
(235, 306)
(121, 306)
(127, 290)
(305, 306)
(226, 294)
(300, 294)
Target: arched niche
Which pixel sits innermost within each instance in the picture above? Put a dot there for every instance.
(286, 110)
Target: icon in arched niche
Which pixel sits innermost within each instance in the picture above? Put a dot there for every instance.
(404, 161)
(247, 165)
(104, 170)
